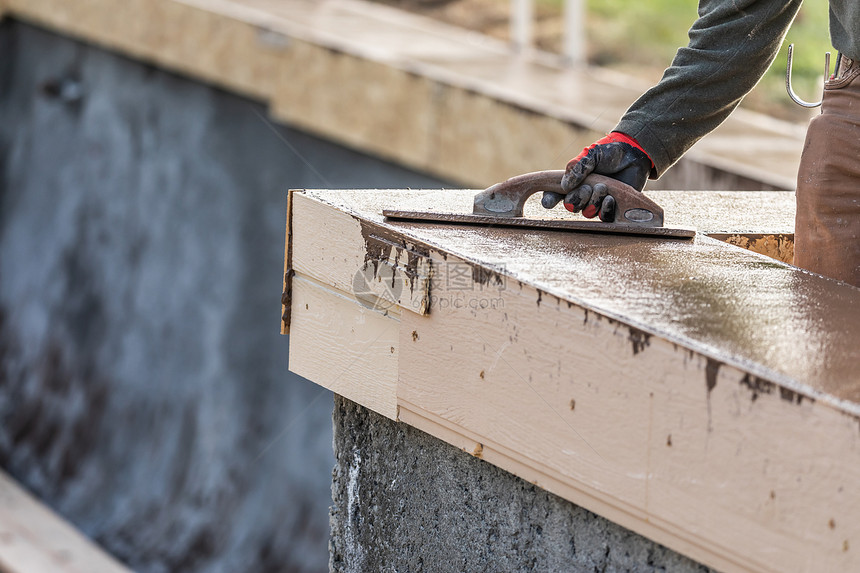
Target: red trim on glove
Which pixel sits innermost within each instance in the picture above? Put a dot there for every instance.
(613, 137)
(590, 212)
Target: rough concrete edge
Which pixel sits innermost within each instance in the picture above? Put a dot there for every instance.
(344, 406)
(535, 472)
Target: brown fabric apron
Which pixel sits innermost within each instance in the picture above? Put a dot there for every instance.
(827, 224)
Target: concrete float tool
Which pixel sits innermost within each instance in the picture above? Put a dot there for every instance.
(502, 205)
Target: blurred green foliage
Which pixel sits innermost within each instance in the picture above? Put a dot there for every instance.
(625, 34)
(641, 38)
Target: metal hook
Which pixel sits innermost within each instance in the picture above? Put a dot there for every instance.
(788, 88)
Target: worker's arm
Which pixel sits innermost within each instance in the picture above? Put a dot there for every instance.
(732, 44)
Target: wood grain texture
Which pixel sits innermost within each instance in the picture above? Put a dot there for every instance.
(722, 301)
(721, 430)
(388, 269)
(697, 455)
(335, 341)
(34, 539)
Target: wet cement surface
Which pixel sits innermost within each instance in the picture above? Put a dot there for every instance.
(773, 320)
(710, 212)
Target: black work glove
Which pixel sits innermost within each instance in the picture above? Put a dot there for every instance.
(616, 155)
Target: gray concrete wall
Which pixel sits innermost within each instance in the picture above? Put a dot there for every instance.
(144, 391)
(405, 501)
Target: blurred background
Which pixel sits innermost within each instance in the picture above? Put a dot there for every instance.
(144, 385)
(640, 39)
(144, 388)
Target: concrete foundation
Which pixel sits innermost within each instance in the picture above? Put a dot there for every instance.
(144, 391)
(406, 501)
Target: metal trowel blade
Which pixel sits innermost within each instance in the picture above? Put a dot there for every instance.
(551, 224)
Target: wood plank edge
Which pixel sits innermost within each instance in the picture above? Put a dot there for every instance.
(781, 380)
(658, 530)
(286, 293)
(356, 392)
(68, 549)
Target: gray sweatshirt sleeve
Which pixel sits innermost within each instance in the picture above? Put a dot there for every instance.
(845, 27)
(732, 45)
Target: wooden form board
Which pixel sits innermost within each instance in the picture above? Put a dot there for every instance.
(34, 539)
(694, 392)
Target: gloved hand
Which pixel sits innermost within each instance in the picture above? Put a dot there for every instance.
(616, 155)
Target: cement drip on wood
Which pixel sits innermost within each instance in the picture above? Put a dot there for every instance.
(643, 379)
(729, 304)
(775, 246)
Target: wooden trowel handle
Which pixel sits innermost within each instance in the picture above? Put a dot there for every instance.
(506, 199)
